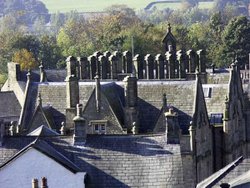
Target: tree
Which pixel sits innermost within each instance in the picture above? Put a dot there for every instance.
(236, 40)
(49, 52)
(25, 59)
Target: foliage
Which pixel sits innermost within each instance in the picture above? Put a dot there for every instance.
(25, 59)
(236, 40)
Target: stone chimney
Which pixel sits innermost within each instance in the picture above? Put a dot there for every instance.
(72, 91)
(42, 73)
(172, 127)
(35, 183)
(80, 133)
(131, 113)
(71, 64)
(44, 183)
(14, 72)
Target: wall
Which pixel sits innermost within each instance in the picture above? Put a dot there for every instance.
(34, 164)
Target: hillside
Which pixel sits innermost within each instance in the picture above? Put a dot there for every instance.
(100, 5)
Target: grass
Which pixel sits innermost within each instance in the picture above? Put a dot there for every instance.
(99, 5)
(90, 6)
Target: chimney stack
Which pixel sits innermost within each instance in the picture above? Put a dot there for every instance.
(44, 183)
(80, 132)
(172, 127)
(35, 183)
(131, 112)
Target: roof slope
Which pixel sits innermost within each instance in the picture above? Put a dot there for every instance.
(227, 174)
(118, 161)
(48, 150)
(9, 105)
(43, 131)
(180, 95)
(216, 103)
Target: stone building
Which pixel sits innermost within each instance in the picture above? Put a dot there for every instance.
(153, 121)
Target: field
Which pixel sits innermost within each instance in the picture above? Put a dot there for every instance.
(99, 5)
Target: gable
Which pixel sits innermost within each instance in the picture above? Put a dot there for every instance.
(106, 113)
(39, 118)
(34, 164)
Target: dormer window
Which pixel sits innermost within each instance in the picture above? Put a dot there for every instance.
(216, 118)
(99, 126)
(207, 92)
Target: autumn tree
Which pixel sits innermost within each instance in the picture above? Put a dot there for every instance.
(25, 59)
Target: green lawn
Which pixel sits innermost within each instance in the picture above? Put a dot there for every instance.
(90, 5)
(100, 5)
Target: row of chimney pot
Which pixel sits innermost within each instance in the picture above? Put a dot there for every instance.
(108, 66)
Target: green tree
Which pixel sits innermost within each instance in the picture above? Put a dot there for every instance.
(236, 40)
(49, 52)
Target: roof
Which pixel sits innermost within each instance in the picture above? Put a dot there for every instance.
(9, 105)
(120, 161)
(115, 97)
(48, 150)
(241, 180)
(216, 101)
(43, 131)
(52, 75)
(225, 175)
(180, 95)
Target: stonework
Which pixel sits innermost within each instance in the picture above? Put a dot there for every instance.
(128, 121)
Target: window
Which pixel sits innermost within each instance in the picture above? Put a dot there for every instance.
(216, 118)
(207, 92)
(99, 127)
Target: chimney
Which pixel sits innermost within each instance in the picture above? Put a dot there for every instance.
(97, 92)
(131, 113)
(172, 127)
(72, 91)
(42, 73)
(35, 183)
(71, 66)
(14, 72)
(44, 183)
(80, 133)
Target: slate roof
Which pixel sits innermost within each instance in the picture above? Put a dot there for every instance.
(242, 181)
(234, 173)
(216, 103)
(52, 75)
(48, 150)
(9, 105)
(122, 161)
(180, 95)
(43, 131)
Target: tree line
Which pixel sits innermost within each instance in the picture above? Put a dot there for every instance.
(224, 34)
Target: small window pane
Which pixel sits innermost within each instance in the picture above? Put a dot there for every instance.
(216, 119)
(103, 127)
(96, 127)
